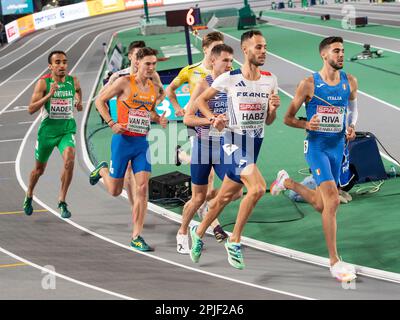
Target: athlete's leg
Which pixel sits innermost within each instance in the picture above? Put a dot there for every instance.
(34, 177)
(114, 186)
(140, 205)
(313, 197)
(68, 156)
(198, 197)
(228, 189)
(130, 184)
(330, 198)
(256, 186)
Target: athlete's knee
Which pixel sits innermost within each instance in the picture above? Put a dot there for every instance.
(141, 189)
(198, 199)
(69, 164)
(256, 192)
(38, 171)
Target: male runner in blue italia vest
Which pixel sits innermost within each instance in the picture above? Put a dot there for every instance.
(331, 106)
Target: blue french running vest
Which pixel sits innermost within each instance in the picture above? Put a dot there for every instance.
(330, 104)
(217, 105)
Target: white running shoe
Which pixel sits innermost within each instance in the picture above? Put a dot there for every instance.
(182, 243)
(343, 272)
(277, 186)
(203, 210)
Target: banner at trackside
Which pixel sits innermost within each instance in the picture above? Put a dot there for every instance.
(25, 25)
(135, 4)
(12, 31)
(59, 15)
(97, 7)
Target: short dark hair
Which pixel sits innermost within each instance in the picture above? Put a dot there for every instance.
(327, 41)
(136, 44)
(53, 53)
(212, 37)
(144, 52)
(219, 48)
(250, 34)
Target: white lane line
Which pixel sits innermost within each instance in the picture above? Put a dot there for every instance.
(353, 32)
(25, 122)
(52, 272)
(7, 162)
(17, 168)
(24, 45)
(397, 108)
(11, 140)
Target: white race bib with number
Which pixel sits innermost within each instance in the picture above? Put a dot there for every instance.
(251, 116)
(331, 118)
(61, 108)
(138, 121)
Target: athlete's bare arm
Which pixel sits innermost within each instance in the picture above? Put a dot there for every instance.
(179, 111)
(202, 103)
(39, 96)
(304, 93)
(274, 103)
(78, 95)
(162, 120)
(119, 88)
(159, 87)
(351, 130)
(190, 119)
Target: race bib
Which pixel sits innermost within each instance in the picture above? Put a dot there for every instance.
(251, 116)
(305, 146)
(138, 121)
(61, 108)
(331, 118)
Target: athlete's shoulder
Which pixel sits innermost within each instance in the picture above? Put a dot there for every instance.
(194, 66)
(235, 72)
(46, 76)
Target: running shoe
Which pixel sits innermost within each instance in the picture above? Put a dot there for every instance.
(65, 213)
(28, 208)
(140, 244)
(235, 256)
(277, 186)
(177, 151)
(343, 272)
(95, 174)
(202, 211)
(182, 243)
(197, 245)
(219, 233)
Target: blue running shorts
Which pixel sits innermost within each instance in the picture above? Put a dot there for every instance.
(125, 148)
(324, 157)
(239, 152)
(206, 154)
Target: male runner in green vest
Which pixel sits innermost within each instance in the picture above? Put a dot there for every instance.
(56, 94)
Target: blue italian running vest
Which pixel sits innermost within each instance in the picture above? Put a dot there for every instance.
(330, 103)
